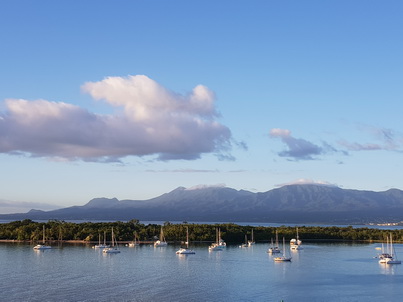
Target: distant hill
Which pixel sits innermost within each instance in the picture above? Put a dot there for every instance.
(288, 204)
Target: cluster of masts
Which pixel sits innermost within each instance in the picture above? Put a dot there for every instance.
(387, 255)
(295, 244)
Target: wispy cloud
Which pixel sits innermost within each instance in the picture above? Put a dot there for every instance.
(183, 171)
(153, 121)
(382, 139)
(297, 148)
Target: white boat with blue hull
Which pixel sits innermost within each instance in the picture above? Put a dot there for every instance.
(220, 244)
(42, 246)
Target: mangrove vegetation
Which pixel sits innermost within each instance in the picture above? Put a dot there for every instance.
(28, 230)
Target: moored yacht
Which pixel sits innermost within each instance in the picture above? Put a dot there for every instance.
(246, 242)
(389, 257)
(42, 246)
(252, 241)
(186, 250)
(283, 258)
(274, 249)
(114, 248)
(220, 244)
(101, 245)
(295, 244)
(161, 242)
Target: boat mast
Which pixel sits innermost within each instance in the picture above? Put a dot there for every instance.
(187, 237)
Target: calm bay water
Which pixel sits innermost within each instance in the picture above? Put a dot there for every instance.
(319, 272)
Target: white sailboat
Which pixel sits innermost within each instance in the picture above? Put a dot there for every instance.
(100, 245)
(252, 241)
(220, 244)
(274, 249)
(295, 244)
(161, 242)
(42, 246)
(389, 257)
(134, 242)
(283, 258)
(246, 244)
(114, 248)
(186, 250)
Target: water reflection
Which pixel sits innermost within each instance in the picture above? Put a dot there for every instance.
(319, 272)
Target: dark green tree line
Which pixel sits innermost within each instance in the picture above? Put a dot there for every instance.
(28, 230)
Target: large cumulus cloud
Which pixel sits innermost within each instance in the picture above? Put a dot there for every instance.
(152, 121)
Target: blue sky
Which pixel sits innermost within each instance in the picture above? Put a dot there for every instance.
(131, 99)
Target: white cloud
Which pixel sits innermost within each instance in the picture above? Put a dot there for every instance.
(198, 187)
(304, 181)
(277, 132)
(144, 99)
(153, 121)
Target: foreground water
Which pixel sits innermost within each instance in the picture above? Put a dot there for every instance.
(319, 272)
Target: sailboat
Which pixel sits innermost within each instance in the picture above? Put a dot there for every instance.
(295, 244)
(134, 243)
(114, 248)
(161, 242)
(42, 246)
(100, 245)
(252, 241)
(220, 244)
(390, 256)
(274, 249)
(246, 244)
(283, 258)
(186, 250)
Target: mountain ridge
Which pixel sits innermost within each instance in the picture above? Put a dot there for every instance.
(288, 204)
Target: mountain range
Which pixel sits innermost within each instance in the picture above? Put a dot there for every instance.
(288, 204)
